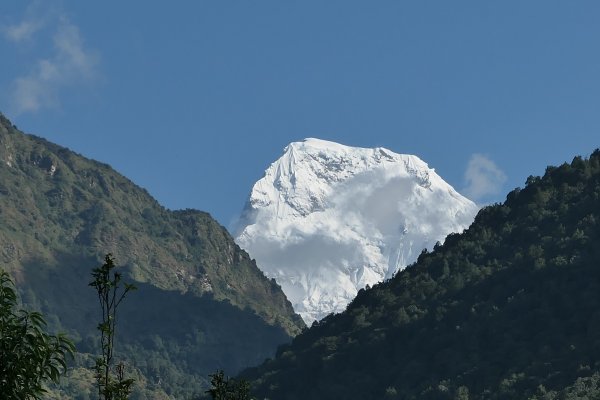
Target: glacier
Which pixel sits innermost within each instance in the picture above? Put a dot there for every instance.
(327, 220)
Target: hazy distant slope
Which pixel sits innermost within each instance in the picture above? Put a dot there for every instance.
(328, 219)
(60, 213)
(510, 309)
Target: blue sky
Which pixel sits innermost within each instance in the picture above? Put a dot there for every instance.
(194, 99)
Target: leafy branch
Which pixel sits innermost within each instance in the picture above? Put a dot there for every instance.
(111, 385)
(28, 355)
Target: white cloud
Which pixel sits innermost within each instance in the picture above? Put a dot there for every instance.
(31, 93)
(69, 63)
(483, 178)
(71, 54)
(22, 31)
(38, 15)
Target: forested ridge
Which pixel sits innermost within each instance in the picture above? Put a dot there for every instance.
(202, 302)
(509, 309)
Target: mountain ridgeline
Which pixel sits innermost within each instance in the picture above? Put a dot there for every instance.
(509, 309)
(202, 304)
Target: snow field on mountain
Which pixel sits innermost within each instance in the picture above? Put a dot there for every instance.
(327, 219)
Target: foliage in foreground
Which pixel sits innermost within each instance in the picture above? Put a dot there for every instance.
(29, 357)
(225, 388)
(508, 309)
(112, 384)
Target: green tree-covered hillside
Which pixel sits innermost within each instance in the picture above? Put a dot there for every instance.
(202, 304)
(509, 309)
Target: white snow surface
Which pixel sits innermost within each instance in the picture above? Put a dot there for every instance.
(327, 219)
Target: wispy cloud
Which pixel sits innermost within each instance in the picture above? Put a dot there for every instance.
(483, 178)
(23, 30)
(68, 63)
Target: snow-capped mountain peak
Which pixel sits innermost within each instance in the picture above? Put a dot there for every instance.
(328, 219)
